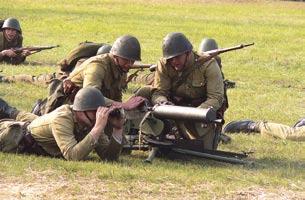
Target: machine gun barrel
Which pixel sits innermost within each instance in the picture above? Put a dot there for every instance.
(185, 113)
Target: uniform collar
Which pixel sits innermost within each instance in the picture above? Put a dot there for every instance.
(189, 63)
(116, 69)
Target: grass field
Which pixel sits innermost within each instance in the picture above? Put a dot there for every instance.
(270, 86)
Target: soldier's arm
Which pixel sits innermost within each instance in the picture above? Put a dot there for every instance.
(108, 149)
(71, 149)
(162, 84)
(94, 75)
(214, 86)
(19, 58)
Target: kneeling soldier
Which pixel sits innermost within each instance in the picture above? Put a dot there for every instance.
(186, 79)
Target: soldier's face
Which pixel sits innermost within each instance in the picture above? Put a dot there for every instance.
(178, 62)
(87, 118)
(124, 63)
(10, 33)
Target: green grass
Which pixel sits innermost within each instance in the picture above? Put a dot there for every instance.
(270, 86)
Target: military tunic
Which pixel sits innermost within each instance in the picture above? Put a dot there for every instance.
(196, 81)
(102, 73)
(5, 44)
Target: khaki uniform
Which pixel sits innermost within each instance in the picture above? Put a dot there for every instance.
(146, 79)
(102, 73)
(5, 44)
(59, 135)
(281, 131)
(199, 84)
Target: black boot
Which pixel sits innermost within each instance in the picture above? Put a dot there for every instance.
(300, 123)
(245, 126)
(7, 111)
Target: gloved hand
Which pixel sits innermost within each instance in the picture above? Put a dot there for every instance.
(131, 103)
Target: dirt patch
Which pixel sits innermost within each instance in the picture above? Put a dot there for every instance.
(266, 194)
(49, 185)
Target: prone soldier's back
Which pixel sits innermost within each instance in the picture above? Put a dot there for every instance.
(101, 72)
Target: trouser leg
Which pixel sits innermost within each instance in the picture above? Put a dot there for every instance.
(282, 131)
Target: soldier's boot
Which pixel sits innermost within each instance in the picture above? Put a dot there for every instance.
(6, 111)
(300, 123)
(245, 126)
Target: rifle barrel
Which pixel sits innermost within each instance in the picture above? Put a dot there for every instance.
(219, 51)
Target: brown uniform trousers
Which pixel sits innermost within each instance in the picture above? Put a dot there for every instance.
(281, 131)
(42, 79)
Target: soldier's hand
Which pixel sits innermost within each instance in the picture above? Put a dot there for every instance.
(102, 115)
(26, 53)
(9, 53)
(69, 86)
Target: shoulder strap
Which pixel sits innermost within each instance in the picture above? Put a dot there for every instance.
(1, 41)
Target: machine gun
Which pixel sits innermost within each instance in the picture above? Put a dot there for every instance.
(33, 49)
(167, 140)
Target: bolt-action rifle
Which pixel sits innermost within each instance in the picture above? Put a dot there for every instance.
(33, 49)
(173, 141)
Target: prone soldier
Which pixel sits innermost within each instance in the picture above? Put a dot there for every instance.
(11, 37)
(71, 132)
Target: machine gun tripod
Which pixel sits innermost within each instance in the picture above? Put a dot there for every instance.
(170, 140)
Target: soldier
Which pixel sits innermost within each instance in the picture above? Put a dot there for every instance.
(11, 37)
(187, 79)
(71, 132)
(107, 72)
(296, 133)
(74, 59)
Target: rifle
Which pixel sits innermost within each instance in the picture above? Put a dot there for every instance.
(33, 49)
(140, 66)
(161, 143)
(212, 53)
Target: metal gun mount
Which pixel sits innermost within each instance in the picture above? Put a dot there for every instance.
(193, 147)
